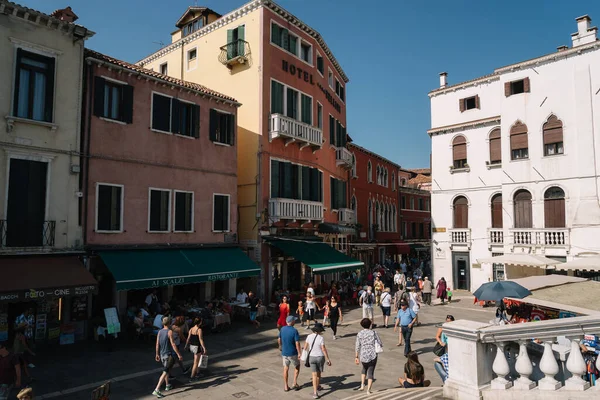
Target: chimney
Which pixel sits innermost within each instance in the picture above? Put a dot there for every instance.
(585, 33)
(65, 14)
(562, 48)
(443, 79)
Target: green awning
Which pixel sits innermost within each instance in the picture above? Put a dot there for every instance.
(140, 269)
(321, 257)
(328, 227)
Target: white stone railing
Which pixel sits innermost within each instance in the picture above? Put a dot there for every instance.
(495, 236)
(343, 156)
(498, 362)
(308, 135)
(295, 209)
(346, 216)
(551, 237)
(460, 236)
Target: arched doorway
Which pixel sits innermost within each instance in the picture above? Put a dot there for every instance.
(554, 208)
(523, 213)
(461, 213)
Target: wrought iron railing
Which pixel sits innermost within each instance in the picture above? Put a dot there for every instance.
(238, 50)
(31, 238)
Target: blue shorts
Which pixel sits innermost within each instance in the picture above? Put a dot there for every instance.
(253, 315)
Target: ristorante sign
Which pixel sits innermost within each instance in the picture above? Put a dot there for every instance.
(40, 294)
(308, 77)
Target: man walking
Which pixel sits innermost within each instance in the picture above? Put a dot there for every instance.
(10, 372)
(166, 350)
(406, 319)
(254, 304)
(289, 345)
(366, 301)
(427, 290)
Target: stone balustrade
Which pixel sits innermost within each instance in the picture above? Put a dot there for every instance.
(495, 236)
(460, 236)
(550, 237)
(503, 362)
(295, 131)
(291, 209)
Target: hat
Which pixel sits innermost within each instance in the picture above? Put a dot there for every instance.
(290, 319)
(403, 303)
(318, 328)
(25, 392)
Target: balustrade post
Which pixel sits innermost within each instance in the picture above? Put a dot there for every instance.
(524, 368)
(501, 368)
(576, 366)
(549, 367)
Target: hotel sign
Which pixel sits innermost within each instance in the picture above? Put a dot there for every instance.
(308, 77)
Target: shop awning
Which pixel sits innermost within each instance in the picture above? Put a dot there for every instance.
(140, 269)
(581, 264)
(327, 227)
(321, 257)
(526, 260)
(26, 278)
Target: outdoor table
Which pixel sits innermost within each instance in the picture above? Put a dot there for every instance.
(221, 319)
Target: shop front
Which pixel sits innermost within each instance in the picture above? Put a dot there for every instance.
(51, 293)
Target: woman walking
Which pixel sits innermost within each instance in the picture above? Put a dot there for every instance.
(386, 306)
(317, 356)
(284, 311)
(414, 373)
(414, 303)
(335, 315)
(441, 289)
(195, 341)
(366, 353)
(311, 308)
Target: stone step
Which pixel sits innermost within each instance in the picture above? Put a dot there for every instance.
(401, 394)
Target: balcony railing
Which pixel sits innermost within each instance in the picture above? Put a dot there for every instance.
(493, 361)
(236, 52)
(295, 209)
(550, 237)
(295, 131)
(460, 237)
(495, 237)
(24, 237)
(346, 216)
(343, 157)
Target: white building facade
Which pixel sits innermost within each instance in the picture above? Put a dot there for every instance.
(515, 158)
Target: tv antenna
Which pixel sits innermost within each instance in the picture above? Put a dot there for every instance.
(160, 43)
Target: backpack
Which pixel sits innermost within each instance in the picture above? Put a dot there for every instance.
(369, 298)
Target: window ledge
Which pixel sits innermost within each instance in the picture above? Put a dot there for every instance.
(11, 120)
(520, 160)
(458, 170)
(220, 231)
(554, 155)
(158, 232)
(184, 136)
(110, 232)
(116, 121)
(489, 165)
(184, 232)
(226, 145)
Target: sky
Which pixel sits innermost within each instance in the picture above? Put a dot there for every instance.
(391, 50)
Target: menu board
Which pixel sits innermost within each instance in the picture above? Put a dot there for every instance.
(79, 307)
(40, 327)
(3, 327)
(112, 320)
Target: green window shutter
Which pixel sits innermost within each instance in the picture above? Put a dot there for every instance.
(127, 104)
(214, 120)
(98, 95)
(296, 171)
(320, 64)
(275, 179)
(333, 192)
(344, 137)
(276, 98)
(275, 34)
(230, 45)
(344, 202)
(320, 186)
(306, 183)
(306, 109)
(338, 134)
(196, 121)
(241, 37)
(331, 130)
(314, 185)
(288, 183)
(285, 38)
(292, 103)
(293, 45)
(175, 113)
(231, 129)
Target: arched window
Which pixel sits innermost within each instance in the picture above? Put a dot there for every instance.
(385, 177)
(459, 152)
(461, 213)
(386, 219)
(378, 175)
(369, 171)
(523, 214)
(377, 216)
(553, 136)
(354, 166)
(497, 211)
(370, 216)
(393, 181)
(353, 204)
(495, 147)
(402, 182)
(554, 208)
(395, 219)
(519, 149)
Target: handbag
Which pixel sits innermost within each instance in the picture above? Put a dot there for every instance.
(378, 347)
(203, 364)
(439, 350)
(306, 360)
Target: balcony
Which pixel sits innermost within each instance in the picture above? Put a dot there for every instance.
(295, 131)
(507, 364)
(24, 237)
(460, 237)
(234, 53)
(495, 237)
(290, 209)
(346, 216)
(343, 157)
(543, 238)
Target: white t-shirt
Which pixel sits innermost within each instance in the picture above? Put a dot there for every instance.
(386, 299)
(310, 305)
(158, 321)
(317, 351)
(311, 291)
(242, 297)
(364, 299)
(149, 299)
(413, 303)
(397, 278)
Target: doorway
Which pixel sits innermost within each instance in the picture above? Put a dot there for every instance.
(461, 271)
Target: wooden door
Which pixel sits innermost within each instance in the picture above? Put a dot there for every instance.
(523, 213)
(554, 213)
(461, 213)
(497, 211)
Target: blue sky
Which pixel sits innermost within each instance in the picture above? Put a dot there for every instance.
(392, 50)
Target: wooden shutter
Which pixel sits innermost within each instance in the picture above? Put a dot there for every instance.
(314, 184)
(344, 194)
(196, 121)
(497, 211)
(161, 112)
(276, 98)
(127, 104)
(49, 100)
(230, 44)
(338, 134)
(526, 85)
(18, 83)
(99, 86)
(275, 178)
(477, 102)
(461, 213)
(286, 180)
(241, 35)
(333, 193)
(495, 145)
(554, 213)
(176, 116)
(331, 130)
(459, 148)
(305, 183)
(523, 214)
(553, 130)
(231, 129)
(295, 178)
(213, 124)
(518, 136)
(461, 105)
(275, 36)
(507, 89)
(320, 63)
(217, 213)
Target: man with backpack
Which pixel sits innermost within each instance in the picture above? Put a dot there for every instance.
(366, 301)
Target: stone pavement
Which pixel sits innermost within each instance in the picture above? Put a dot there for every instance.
(245, 363)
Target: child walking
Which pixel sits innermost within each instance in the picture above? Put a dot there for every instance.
(449, 294)
(326, 312)
(300, 312)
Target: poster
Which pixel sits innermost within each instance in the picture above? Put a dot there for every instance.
(67, 334)
(54, 333)
(79, 308)
(40, 327)
(3, 327)
(112, 320)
